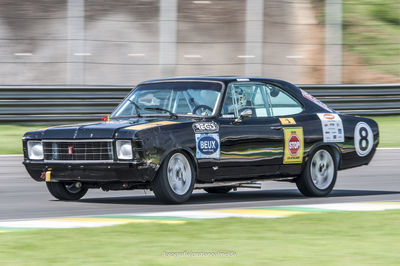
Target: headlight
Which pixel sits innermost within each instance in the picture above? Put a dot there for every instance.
(124, 150)
(35, 150)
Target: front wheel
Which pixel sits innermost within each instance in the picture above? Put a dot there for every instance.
(319, 175)
(175, 180)
(66, 191)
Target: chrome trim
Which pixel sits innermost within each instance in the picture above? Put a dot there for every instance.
(77, 140)
(111, 141)
(78, 162)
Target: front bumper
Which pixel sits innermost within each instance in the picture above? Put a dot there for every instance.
(92, 171)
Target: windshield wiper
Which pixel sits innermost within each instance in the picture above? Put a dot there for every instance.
(137, 107)
(173, 115)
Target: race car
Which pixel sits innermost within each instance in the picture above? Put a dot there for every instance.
(213, 133)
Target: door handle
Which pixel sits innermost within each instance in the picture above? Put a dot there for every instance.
(276, 128)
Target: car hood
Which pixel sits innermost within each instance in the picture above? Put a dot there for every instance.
(104, 130)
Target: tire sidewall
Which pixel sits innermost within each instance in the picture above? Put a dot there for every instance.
(163, 176)
(308, 179)
(58, 190)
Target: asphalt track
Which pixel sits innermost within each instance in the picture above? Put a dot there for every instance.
(21, 197)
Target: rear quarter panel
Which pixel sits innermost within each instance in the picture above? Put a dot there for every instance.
(350, 156)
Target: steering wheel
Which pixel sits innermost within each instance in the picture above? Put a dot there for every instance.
(202, 108)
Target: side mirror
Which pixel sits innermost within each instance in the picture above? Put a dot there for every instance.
(244, 114)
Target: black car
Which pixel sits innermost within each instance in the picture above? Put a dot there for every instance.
(214, 133)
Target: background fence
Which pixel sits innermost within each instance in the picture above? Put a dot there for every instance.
(60, 104)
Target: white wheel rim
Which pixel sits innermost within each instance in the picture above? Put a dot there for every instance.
(179, 174)
(322, 169)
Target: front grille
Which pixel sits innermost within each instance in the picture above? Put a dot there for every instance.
(82, 150)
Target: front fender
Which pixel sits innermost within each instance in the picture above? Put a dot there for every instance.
(187, 150)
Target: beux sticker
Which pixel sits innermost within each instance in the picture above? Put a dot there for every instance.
(207, 145)
(332, 127)
(294, 145)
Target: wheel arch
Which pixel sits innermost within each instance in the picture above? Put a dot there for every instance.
(184, 150)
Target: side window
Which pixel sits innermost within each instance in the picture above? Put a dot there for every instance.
(282, 103)
(246, 95)
(264, 100)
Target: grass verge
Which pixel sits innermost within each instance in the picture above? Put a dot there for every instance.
(389, 128)
(11, 138)
(352, 238)
(371, 30)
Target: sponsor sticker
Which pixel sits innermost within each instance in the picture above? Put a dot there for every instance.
(294, 145)
(205, 127)
(315, 100)
(332, 127)
(287, 121)
(207, 145)
(363, 139)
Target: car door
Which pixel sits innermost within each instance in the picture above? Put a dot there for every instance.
(295, 126)
(253, 146)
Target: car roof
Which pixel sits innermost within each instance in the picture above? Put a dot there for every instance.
(287, 86)
(225, 79)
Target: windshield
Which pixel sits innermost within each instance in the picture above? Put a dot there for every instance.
(171, 98)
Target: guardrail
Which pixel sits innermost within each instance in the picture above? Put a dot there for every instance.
(359, 99)
(60, 104)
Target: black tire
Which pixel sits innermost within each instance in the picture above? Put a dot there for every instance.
(218, 190)
(315, 171)
(161, 185)
(60, 191)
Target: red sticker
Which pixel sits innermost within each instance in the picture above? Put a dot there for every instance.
(294, 145)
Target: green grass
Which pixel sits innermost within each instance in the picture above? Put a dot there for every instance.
(363, 238)
(10, 135)
(371, 30)
(389, 128)
(11, 138)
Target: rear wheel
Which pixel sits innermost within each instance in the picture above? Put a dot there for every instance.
(218, 190)
(175, 180)
(66, 191)
(319, 175)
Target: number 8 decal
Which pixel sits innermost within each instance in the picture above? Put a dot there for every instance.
(363, 139)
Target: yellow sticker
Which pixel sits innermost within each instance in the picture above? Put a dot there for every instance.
(294, 145)
(48, 176)
(150, 125)
(287, 121)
